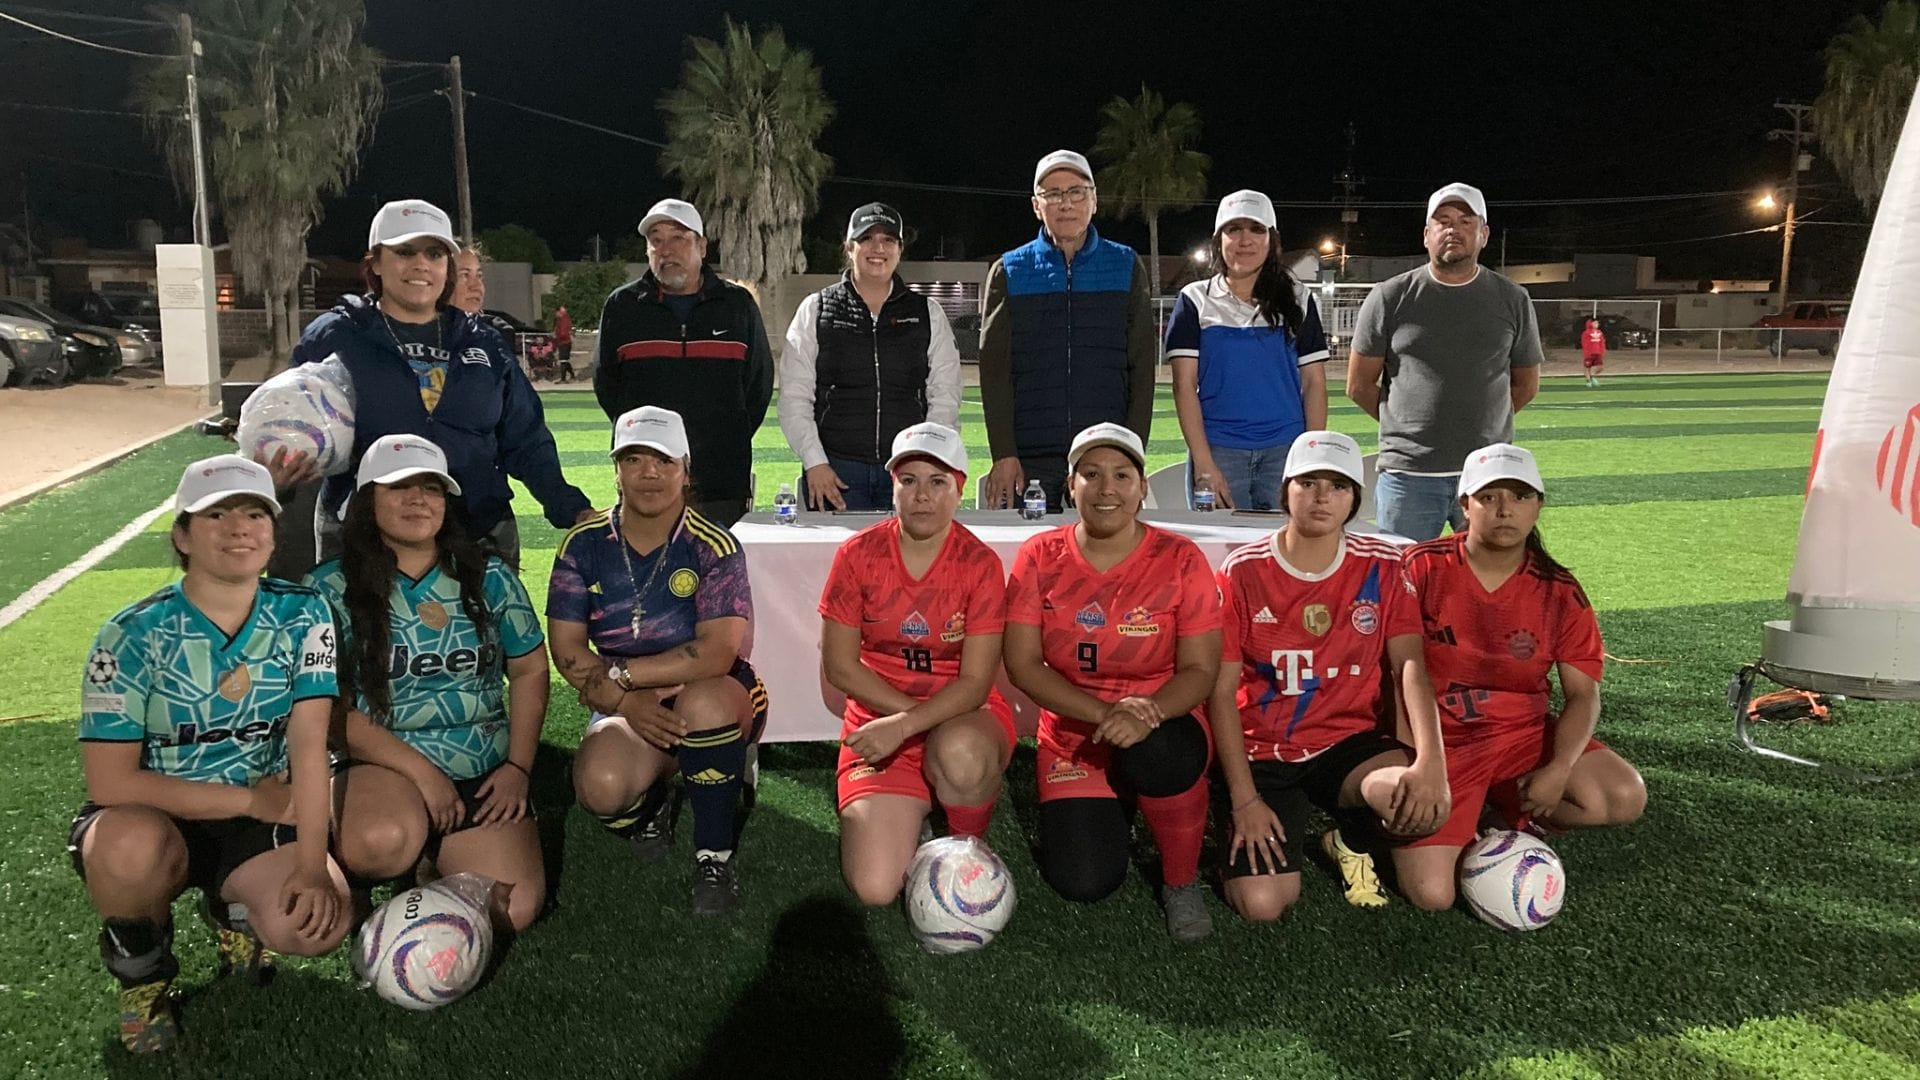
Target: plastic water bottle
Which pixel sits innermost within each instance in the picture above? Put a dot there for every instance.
(785, 507)
(1033, 506)
(1203, 493)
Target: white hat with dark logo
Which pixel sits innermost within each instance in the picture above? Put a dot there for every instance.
(1460, 193)
(1062, 159)
(1118, 436)
(1326, 451)
(1501, 461)
(1248, 204)
(679, 212)
(410, 219)
(393, 458)
(652, 427)
(208, 481)
(930, 440)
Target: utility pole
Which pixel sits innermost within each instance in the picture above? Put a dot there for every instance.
(457, 97)
(1349, 182)
(1797, 163)
(202, 223)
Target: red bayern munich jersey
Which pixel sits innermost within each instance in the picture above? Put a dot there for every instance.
(1310, 646)
(1113, 635)
(1489, 653)
(912, 632)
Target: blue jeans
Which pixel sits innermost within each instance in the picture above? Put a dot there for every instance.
(869, 487)
(1416, 506)
(1251, 478)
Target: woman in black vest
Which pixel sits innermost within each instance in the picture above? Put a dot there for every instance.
(866, 357)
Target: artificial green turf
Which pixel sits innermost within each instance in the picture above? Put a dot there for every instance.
(1759, 922)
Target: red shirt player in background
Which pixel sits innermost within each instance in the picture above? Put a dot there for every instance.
(1499, 613)
(1113, 628)
(1593, 351)
(1308, 616)
(913, 611)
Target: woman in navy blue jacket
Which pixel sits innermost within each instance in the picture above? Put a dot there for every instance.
(423, 367)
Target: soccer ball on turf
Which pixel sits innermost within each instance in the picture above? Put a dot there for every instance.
(1512, 880)
(959, 895)
(304, 410)
(427, 946)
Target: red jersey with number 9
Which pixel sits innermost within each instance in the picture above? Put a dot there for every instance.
(1112, 634)
(912, 630)
(1488, 653)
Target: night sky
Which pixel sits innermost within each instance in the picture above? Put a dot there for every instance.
(1531, 101)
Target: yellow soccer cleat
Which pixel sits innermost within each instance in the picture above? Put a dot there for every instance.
(1363, 885)
(147, 1021)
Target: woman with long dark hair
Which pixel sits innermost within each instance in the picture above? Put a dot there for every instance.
(1248, 360)
(1499, 615)
(203, 731)
(444, 674)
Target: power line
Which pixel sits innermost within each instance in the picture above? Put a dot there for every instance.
(69, 109)
(657, 145)
(83, 41)
(95, 165)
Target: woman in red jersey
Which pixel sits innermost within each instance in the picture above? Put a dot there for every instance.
(1309, 614)
(912, 616)
(1113, 628)
(1499, 613)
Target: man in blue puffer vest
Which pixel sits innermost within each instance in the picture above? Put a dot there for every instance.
(1068, 339)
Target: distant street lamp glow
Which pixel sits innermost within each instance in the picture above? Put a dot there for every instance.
(1199, 255)
(1328, 247)
(1765, 202)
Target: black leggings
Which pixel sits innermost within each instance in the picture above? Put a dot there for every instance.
(1084, 842)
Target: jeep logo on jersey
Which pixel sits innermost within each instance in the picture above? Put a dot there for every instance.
(425, 665)
(254, 732)
(915, 626)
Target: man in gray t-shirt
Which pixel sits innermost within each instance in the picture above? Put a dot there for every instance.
(1442, 356)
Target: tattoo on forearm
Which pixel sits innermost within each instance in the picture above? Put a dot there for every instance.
(692, 650)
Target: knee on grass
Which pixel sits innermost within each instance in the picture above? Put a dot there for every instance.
(1428, 893)
(1263, 900)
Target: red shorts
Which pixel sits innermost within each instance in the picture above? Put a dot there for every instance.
(1486, 767)
(1070, 765)
(1592, 361)
(905, 773)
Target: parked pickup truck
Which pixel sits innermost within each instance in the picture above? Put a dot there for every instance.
(1809, 324)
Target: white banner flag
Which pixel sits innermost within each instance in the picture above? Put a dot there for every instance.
(1860, 531)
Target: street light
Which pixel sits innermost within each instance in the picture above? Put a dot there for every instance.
(1199, 256)
(1329, 246)
(1767, 202)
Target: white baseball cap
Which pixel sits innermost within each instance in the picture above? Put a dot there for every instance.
(209, 480)
(679, 212)
(410, 219)
(1501, 461)
(1245, 203)
(393, 458)
(930, 440)
(1457, 192)
(1118, 436)
(652, 427)
(1326, 451)
(1062, 159)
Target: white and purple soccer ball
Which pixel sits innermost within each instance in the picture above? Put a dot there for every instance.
(428, 945)
(959, 895)
(308, 409)
(1513, 880)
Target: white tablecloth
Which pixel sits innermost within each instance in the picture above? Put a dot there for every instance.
(788, 564)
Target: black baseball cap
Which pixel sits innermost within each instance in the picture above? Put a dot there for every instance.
(876, 216)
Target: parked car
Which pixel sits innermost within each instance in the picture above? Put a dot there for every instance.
(118, 311)
(1809, 324)
(1620, 332)
(93, 352)
(36, 356)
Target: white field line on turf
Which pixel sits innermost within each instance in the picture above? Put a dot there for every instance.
(37, 595)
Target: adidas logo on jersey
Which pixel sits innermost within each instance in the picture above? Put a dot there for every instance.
(1264, 615)
(709, 776)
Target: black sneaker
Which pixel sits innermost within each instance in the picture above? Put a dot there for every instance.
(716, 889)
(652, 838)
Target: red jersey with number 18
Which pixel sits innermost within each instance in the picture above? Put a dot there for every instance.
(1489, 653)
(1310, 646)
(912, 630)
(1112, 634)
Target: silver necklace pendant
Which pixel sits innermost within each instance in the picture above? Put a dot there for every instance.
(639, 613)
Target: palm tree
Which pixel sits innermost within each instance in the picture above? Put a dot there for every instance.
(1871, 72)
(1149, 163)
(742, 134)
(288, 94)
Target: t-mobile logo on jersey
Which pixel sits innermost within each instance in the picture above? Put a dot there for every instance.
(1296, 674)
